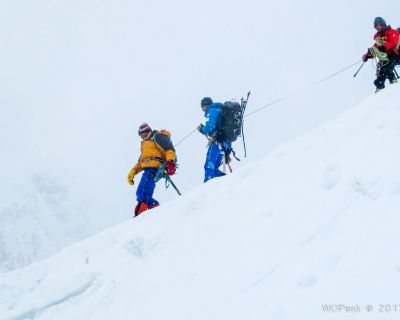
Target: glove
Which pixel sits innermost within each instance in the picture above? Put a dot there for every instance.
(131, 177)
(171, 168)
(367, 56)
(200, 127)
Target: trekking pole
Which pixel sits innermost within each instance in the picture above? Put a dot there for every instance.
(359, 69)
(244, 105)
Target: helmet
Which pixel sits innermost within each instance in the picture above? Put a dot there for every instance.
(378, 21)
(206, 102)
(144, 129)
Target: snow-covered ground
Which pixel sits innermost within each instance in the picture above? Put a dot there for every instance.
(78, 77)
(314, 222)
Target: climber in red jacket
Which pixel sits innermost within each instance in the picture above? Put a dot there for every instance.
(386, 50)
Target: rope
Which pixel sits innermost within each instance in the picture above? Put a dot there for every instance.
(280, 99)
(185, 137)
(336, 73)
(264, 107)
(313, 84)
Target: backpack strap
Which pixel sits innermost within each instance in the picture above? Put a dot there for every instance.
(234, 155)
(164, 144)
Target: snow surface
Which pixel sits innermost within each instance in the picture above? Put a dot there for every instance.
(78, 77)
(38, 218)
(314, 222)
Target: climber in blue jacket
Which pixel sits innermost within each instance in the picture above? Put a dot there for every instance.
(217, 149)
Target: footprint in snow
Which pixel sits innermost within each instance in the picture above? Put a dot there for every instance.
(373, 189)
(381, 125)
(331, 177)
(308, 280)
(135, 247)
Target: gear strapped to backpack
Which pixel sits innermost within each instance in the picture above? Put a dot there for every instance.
(232, 120)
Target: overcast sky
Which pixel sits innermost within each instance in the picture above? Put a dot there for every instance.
(78, 77)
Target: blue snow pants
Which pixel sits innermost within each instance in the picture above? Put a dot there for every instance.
(145, 190)
(214, 160)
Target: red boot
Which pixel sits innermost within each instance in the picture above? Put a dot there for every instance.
(140, 208)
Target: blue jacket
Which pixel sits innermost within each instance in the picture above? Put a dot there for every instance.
(214, 123)
(214, 119)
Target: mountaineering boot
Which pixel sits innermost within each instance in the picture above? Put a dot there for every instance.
(154, 206)
(140, 208)
(136, 211)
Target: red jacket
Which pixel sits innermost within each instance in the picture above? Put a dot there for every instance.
(390, 38)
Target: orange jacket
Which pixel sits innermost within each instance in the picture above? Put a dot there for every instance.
(156, 148)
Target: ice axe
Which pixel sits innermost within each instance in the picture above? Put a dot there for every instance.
(162, 173)
(359, 69)
(243, 104)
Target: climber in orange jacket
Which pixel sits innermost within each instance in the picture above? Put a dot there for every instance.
(156, 149)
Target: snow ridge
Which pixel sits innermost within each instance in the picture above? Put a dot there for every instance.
(315, 222)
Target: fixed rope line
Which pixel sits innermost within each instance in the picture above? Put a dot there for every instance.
(264, 107)
(313, 84)
(280, 99)
(336, 73)
(185, 137)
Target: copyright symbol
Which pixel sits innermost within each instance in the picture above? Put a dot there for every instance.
(369, 308)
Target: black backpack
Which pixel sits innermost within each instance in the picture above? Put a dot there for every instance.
(232, 120)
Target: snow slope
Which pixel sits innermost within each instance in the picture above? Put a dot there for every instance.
(38, 217)
(314, 222)
(78, 77)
